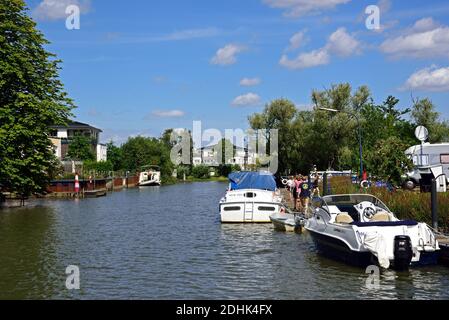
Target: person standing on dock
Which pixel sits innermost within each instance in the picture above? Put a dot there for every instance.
(296, 191)
(305, 194)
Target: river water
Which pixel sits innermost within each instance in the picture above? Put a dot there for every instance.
(168, 243)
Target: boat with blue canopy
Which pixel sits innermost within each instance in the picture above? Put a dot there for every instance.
(252, 197)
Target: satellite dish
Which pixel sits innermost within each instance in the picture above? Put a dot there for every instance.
(422, 133)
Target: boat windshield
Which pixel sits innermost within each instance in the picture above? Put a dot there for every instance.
(353, 199)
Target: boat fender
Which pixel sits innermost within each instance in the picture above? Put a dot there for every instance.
(364, 184)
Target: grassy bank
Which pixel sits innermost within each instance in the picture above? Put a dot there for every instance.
(211, 179)
(405, 204)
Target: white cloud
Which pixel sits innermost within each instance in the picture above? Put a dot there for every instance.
(55, 9)
(247, 100)
(168, 113)
(227, 55)
(425, 39)
(339, 43)
(250, 82)
(342, 44)
(429, 79)
(297, 40)
(297, 8)
(306, 60)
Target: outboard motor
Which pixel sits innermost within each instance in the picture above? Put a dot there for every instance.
(403, 252)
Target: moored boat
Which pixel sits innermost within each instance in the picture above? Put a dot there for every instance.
(252, 197)
(361, 230)
(150, 176)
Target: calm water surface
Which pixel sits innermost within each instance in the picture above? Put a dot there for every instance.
(168, 243)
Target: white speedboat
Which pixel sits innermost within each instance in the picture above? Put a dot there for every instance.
(150, 176)
(361, 230)
(252, 197)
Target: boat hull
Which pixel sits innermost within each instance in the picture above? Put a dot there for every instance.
(336, 249)
(285, 223)
(254, 212)
(149, 184)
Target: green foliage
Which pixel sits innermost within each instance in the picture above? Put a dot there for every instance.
(225, 170)
(200, 172)
(101, 166)
(424, 114)
(115, 156)
(388, 160)
(80, 149)
(32, 98)
(142, 151)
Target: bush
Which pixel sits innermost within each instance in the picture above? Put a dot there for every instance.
(102, 166)
(200, 172)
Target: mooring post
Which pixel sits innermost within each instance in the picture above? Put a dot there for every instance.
(434, 204)
(325, 184)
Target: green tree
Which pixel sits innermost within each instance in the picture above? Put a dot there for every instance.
(200, 172)
(277, 115)
(388, 161)
(141, 151)
(80, 149)
(424, 114)
(115, 156)
(32, 98)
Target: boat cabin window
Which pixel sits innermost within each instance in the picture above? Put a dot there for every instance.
(232, 208)
(267, 209)
(250, 195)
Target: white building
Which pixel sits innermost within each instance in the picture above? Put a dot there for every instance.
(209, 156)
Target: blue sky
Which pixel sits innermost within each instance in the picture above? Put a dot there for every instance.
(139, 67)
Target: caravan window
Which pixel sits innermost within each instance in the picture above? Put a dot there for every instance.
(444, 159)
(424, 161)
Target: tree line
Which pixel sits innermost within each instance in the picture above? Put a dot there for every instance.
(330, 140)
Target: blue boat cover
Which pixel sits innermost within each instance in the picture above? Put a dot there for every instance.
(252, 180)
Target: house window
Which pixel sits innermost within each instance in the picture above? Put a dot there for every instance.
(445, 159)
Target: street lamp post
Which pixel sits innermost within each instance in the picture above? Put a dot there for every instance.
(359, 133)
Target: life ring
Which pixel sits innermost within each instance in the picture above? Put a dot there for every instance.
(284, 182)
(364, 184)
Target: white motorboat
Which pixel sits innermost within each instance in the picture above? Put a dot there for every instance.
(361, 230)
(252, 197)
(150, 176)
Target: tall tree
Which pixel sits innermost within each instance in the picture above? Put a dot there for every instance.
(424, 114)
(31, 99)
(80, 149)
(115, 156)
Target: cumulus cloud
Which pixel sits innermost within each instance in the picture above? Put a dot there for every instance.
(168, 113)
(306, 60)
(55, 9)
(227, 55)
(250, 82)
(247, 100)
(429, 79)
(297, 40)
(297, 8)
(424, 40)
(340, 43)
